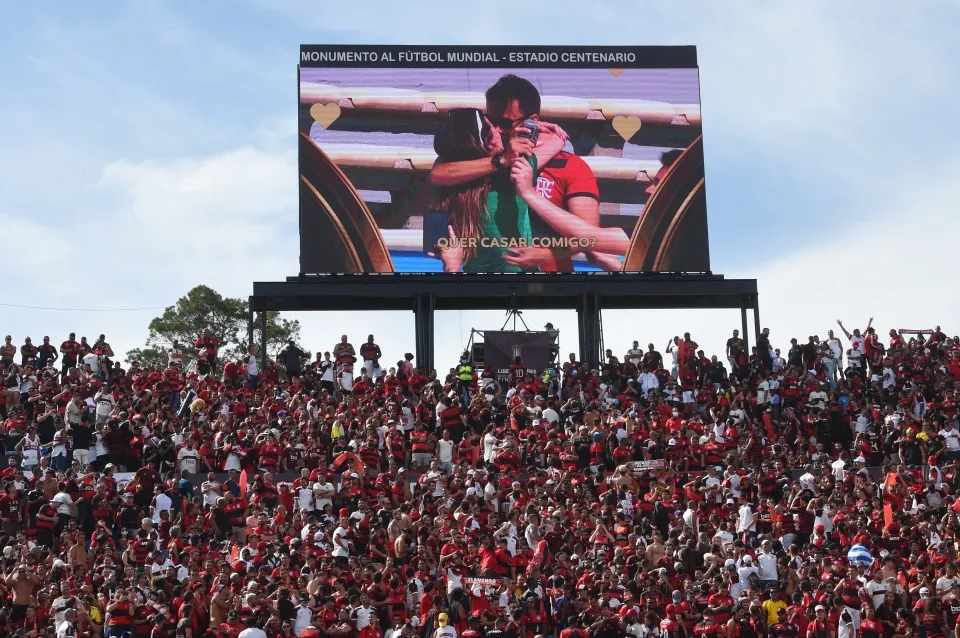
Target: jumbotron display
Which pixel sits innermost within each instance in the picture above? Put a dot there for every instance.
(501, 160)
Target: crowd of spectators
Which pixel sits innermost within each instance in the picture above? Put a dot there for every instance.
(755, 493)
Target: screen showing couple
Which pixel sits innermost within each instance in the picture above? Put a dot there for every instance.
(480, 170)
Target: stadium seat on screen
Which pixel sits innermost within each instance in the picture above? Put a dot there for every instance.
(672, 230)
(338, 231)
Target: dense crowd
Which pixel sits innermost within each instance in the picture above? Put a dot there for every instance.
(807, 492)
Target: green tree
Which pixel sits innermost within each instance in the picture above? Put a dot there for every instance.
(204, 308)
(147, 357)
(279, 332)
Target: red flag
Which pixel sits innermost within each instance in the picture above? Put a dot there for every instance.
(341, 462)
(888, 506)
(243, 484)
(234, 552)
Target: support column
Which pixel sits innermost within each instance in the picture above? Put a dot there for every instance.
(263, 340)
(588, 321)
(744, 332)
(756, 315)
(250, 323)
(423, 307)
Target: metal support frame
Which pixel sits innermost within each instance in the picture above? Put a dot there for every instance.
(744, 332)
(590, 331)
(263, 340)
(756, 318)
(250, 324)
(588, 293)
(424, 305)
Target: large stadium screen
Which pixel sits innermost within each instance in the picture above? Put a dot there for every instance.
(501, 160)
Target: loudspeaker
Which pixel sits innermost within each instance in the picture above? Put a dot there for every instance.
(476, 353)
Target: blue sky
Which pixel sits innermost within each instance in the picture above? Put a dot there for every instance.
(150, 146)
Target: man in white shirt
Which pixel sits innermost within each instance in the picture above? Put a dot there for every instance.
(252, 631)
(160, 565)
(304, 614)
(724, 536)
(445, 629)
(634, 354)
(445, 448)
(951, 437)
(253, 369)
(211, 490)
(105, 404)
(763, 392)
(837, 350)
(690, 518)
(189, 458)
(67, 627)
(550, 415)
(847, 624)
(346, 379)
(889, 377)
(161, 502)
(323, 492)
(648, 381)
(818, 399)
(946, 582)
(491, 495)
(746, 568)
(732, 480)
(489, 443)
(839, 469)
(175, 355)
(341, 541)
(711, 485)
(92, 359)
(363, 613)
(767, 566)
(746, 522)
(777, 363)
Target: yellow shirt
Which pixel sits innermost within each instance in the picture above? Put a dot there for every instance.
(772, 609)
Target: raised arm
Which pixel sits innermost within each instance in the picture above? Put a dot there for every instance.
(845, 331)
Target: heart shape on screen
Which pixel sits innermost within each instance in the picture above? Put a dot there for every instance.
(325, 114)
(626, 125)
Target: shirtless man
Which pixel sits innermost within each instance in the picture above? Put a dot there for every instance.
(22, 582)
(656, 550)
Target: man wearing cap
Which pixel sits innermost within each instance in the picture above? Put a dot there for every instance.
(819, 626)
(444, 629)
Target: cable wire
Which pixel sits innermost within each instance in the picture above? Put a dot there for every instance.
(13, 305)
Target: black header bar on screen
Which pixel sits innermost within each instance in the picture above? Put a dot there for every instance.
(635, 57)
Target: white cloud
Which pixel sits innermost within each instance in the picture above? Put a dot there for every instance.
(158, 229)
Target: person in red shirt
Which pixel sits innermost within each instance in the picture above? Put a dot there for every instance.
(270, 453)
(532, 621)
(208, 346)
